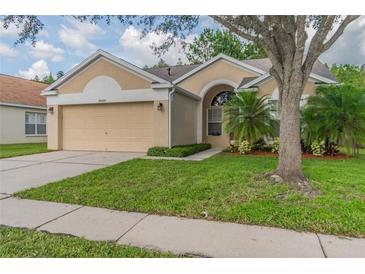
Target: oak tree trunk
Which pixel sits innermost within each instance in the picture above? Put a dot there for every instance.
(290, 154)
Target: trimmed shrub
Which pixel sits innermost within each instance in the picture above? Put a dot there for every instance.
(156, 151)
(177, 151)
(245, 147)
(227, 149)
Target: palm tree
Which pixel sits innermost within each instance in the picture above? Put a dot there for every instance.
(335, 114)
(248, 117)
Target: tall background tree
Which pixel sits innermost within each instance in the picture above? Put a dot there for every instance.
(284, 39)
(59, 74)
(349, 74)
(48, 79)
(210, 43)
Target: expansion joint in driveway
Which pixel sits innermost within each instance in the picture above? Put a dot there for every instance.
(73, 163)
(58, 217)
(33, 163)
(70, 157)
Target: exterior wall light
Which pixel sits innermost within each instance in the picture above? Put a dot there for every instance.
(159, 106)
(51, 110)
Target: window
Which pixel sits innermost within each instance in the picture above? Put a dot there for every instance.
(215, 112)
(221, 98)
(215, 121)
(35, 123)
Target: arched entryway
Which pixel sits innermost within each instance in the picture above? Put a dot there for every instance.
(213, 119)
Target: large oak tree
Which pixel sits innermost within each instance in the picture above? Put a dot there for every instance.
(211, 42)
(285, 40)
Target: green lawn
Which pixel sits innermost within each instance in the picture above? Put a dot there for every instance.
(20, 243)
(12, 150)
(231, 188)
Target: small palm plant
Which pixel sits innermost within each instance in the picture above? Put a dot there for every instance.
(336, 114)
(249, 117)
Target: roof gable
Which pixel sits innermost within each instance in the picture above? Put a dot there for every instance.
(224, 57)
(109, 57)
(175, 71)
(319, 72)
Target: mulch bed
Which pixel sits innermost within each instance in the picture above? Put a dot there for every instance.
(305, 155)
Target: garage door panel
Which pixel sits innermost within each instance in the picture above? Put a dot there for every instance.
(108, 127)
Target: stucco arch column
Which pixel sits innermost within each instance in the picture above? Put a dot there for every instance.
(204, 91)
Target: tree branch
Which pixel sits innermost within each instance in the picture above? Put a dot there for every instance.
(339, 31)
(318, 46)
(234, 29)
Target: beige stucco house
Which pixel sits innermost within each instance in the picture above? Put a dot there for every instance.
(106, 103)
(23, 111)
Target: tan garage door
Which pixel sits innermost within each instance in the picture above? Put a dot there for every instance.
(108, 127)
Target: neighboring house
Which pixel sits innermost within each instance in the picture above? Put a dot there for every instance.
(23, 111)
(106, 103)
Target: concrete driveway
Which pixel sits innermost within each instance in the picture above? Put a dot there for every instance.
(23, 172)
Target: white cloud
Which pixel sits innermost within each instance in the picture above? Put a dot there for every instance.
(39, 68)
(350, 47)
(7, 51)
(78, 35)
(43, 33)
(139, 50)
(43, 50)
(11, 31)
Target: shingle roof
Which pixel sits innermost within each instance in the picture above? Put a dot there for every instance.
(175, 71)
(265, 64)
(16, 90)
(246, 80)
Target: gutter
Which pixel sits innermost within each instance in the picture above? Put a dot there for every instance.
(22, 106)
(171, 93)
(49, 92)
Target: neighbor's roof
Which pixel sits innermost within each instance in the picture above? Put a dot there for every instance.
(16, 90)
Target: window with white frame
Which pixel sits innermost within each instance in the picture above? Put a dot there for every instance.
(35, 123)
(215, 112)
(215, 121)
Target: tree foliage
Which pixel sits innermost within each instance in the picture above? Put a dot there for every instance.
(349, 74)
(210, 43)
(161, 64)
(46, 79)
(336, 114)
(248, 117)
(59, 74)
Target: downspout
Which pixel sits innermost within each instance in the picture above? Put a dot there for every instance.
(171, 93)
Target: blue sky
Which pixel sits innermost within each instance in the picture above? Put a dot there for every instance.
(65, 42)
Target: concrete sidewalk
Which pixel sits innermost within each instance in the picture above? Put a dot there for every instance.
(178, 235)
